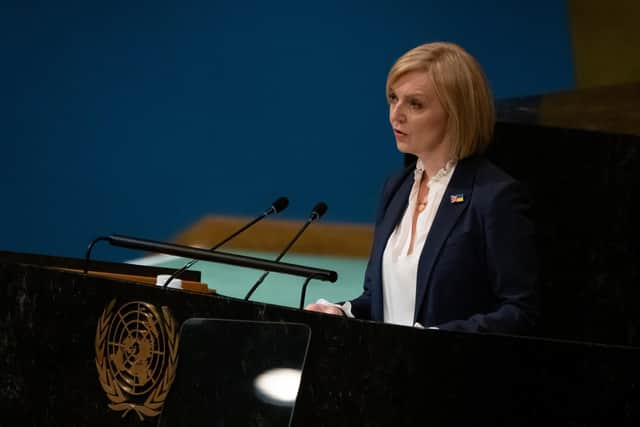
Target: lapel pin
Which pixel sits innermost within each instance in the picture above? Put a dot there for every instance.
(456, 198)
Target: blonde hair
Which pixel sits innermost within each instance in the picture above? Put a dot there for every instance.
(461, 88)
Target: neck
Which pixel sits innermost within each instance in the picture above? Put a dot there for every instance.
(432, 163)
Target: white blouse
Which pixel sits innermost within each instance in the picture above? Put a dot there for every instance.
(399, 267)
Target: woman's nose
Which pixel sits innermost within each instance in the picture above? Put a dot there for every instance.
(396, 114)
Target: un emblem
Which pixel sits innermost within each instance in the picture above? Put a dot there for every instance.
(136, 357)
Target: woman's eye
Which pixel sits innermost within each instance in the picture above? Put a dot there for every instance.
(416, 105)
(392, 98)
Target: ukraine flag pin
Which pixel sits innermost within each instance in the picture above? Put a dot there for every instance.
(456, 198)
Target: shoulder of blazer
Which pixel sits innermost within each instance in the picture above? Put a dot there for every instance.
(491, 179)
(392, 184)
(488, 171)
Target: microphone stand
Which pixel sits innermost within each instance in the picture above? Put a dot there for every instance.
(255, 286)
(278, 206)
(317, 211)
(213, 248)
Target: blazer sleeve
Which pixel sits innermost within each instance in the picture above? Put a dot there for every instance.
(512, 265)
(361, 306)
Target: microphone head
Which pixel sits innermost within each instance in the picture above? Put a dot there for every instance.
(280, 204)
(318, 210)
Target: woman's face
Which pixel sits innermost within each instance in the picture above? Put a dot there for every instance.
(418, 120)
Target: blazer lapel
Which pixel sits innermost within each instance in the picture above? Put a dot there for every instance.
(448, 213)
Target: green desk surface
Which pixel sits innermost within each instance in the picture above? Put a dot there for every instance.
(277, 288)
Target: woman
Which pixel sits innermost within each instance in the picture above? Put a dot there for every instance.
(453, 247)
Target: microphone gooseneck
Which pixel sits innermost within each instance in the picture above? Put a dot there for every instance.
(277, 206)
(316, 213)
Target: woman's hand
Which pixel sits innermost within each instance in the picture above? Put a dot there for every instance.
(325, 308)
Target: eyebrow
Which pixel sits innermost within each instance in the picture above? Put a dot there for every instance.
(391, 89)
(409, 94)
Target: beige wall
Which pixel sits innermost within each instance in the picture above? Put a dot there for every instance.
(606, 41)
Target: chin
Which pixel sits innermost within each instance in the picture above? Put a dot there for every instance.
(403, 148)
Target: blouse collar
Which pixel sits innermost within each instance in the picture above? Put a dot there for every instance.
(442, 174)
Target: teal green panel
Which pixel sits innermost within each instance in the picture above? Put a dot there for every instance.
(281, 289)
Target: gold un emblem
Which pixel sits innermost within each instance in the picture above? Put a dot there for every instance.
(136, 357)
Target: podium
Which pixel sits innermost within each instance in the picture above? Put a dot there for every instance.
(73, 352)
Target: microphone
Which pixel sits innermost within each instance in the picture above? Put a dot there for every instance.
(318, 210)
(277, 206)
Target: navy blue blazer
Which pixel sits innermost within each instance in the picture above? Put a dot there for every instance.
(478, 270)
